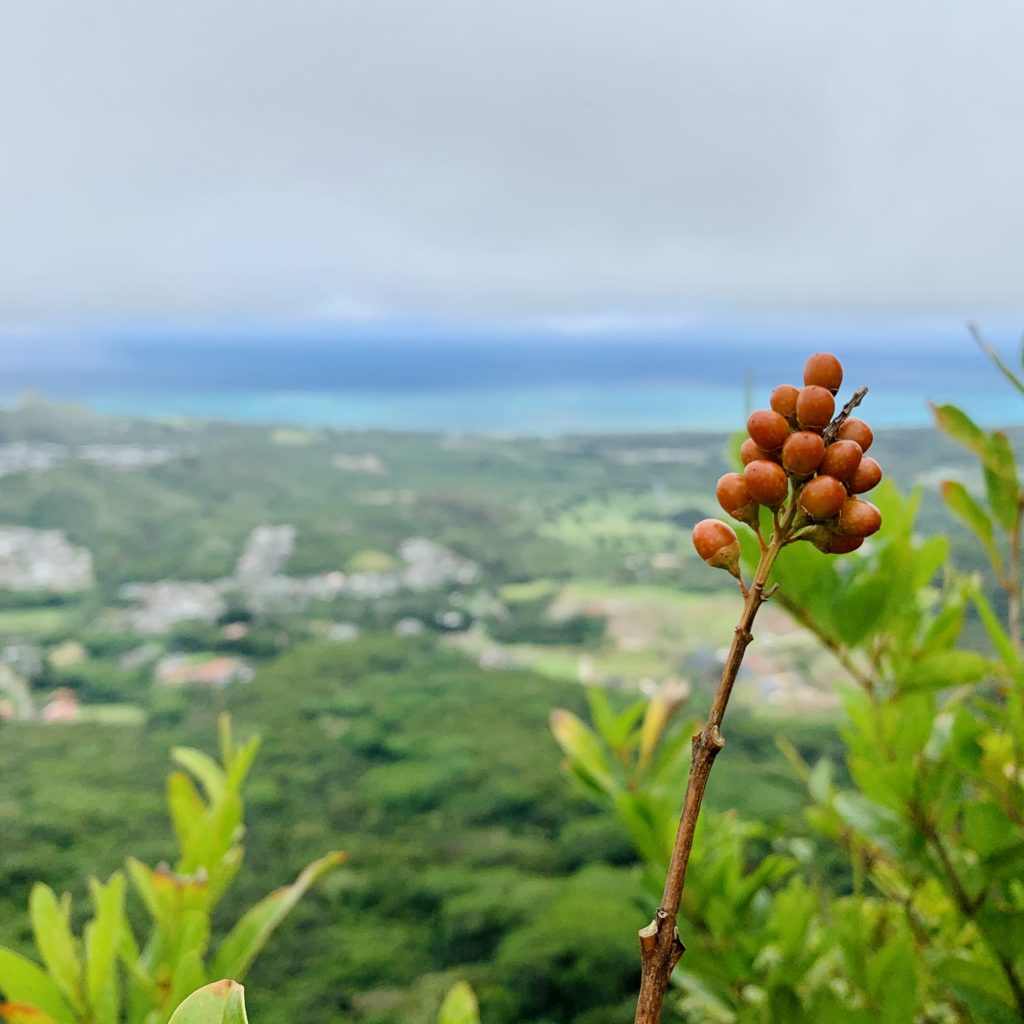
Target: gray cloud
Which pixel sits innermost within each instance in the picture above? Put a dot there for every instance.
(545, 160)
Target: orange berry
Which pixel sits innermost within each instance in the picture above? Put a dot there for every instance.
(859, 431)
(824, 370)
(859, 518)
(783, 400)
(868, 475)
(732, 494)
(716, 542)
(844, 545)
(814, 407)
(802, 453)
(841, 460)
(822, 497)
(751, 451)
(768, 429)
(767, 482)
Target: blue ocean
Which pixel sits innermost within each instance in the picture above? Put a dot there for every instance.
(506, 385)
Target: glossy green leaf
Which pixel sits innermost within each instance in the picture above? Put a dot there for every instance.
(51, 929)
(223, 1002)
(459, 1006)
(22, 981)
(250, 934)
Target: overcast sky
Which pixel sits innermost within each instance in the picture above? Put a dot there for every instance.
(570, 163)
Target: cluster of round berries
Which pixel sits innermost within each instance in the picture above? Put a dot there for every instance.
(795, 446)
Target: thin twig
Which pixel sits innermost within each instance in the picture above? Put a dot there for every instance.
(831, 432)
(660, 944)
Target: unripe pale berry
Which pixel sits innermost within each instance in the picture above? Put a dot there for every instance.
(859, 431)
(783, 400)
(717, 544)
(802, 453)
(868, 475)
(824, 370)
(768, 429)
(767, 483)
(814, 407)
(844, 545)
(859, 518)
(841, 460)
(823, 497)
(734, 497)
(751, 451)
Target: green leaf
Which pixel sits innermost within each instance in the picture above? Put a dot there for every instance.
(459, 1006)
(24, 1013)
(187, 976)
(223, 1002)
(987, 830)
(996, 358)
(241, 946)
(1003, 929)
(929, 558)
(945, 669)
(893, 982)
(656, 718)
(204, 768)
(859, 610)
(56, 944)
(960, 427)
(102, 941)
(1000, 638)
(241, 762)
(944, 629)
(22, 981)
(985, 990)
(1001, 483)
(584, 750)
(973, 516)
(187, 809)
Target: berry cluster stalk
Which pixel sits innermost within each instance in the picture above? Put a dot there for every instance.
(660, 944)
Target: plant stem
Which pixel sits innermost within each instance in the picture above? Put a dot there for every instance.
(1013, 583)
(660, 945)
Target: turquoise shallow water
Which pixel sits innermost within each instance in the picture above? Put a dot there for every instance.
(529, 411)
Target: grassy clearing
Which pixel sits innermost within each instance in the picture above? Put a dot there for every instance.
(33, 622)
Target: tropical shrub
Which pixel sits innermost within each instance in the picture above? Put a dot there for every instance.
(104, 975)
(927, 809)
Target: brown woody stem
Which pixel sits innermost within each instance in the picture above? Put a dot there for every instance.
(660, 945)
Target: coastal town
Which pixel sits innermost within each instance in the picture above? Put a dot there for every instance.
(83, 636)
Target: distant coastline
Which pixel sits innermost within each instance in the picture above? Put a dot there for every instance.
(524, 411)
(525, 386)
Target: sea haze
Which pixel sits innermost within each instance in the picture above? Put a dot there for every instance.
(519, 384)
